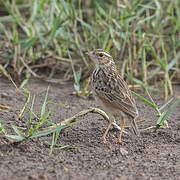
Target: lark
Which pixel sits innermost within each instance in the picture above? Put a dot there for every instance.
(112, 93)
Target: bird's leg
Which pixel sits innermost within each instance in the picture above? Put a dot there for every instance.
(111, 120)
(104, 135)
(122, 127)
(118, 128)
(121, 131)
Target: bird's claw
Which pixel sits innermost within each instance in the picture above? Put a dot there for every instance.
(118, 141)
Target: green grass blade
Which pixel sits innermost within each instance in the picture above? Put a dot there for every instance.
(141, 83)
(31, 112)
(14, 137)
(173, 62)
(37, 6)
(145, 100)
(67, 147)
(30, 43)
(54, 140)
(43, 109)
(25, 81)
(166, 114)
(2, 128)
(17, 131)
(49, 131)
(158, 60)
(26, 103)
(164, 105)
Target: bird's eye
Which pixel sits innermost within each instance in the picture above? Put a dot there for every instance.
(100, 54)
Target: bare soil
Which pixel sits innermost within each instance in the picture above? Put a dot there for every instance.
(150, 156)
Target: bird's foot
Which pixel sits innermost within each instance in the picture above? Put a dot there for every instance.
(103, 139)
(118, 141)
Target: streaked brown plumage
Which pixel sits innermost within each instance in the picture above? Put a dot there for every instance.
(112, 92)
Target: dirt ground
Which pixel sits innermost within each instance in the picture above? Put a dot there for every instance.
(151, 156)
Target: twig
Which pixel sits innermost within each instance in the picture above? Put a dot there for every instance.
(82, 113)
(32, 72)
(148, 128)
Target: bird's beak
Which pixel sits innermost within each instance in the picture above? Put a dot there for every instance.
(90, 53)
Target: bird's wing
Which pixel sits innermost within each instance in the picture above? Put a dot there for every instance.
(115, 91)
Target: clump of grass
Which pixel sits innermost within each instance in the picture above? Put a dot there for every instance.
(162, 115)
(142, 35)
(35, 129)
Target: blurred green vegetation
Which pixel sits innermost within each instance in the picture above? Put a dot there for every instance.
(47, 39)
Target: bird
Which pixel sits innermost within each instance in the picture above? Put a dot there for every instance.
(112, 93)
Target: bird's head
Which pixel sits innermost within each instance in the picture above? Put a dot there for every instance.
(100, 57)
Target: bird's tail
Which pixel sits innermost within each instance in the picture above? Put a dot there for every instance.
(135, 127)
